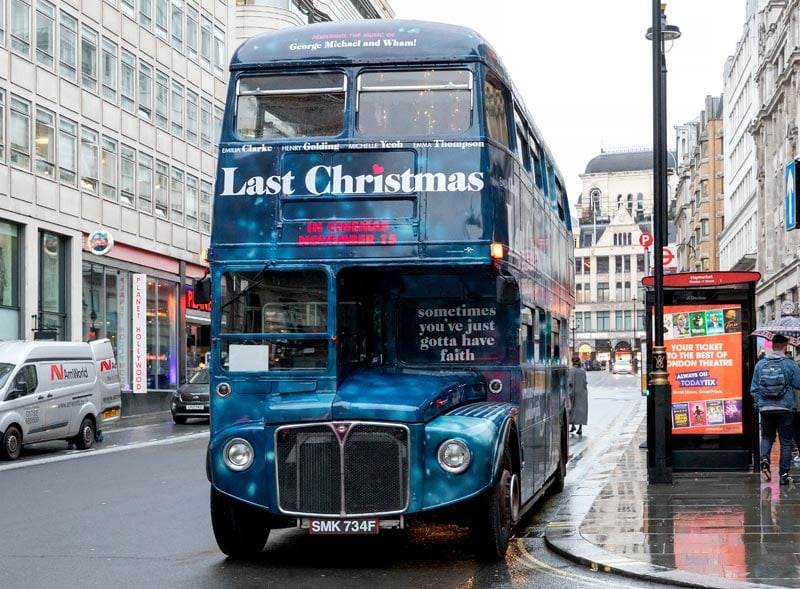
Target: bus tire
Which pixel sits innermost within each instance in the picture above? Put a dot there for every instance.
(241, 531)
(563, 454)
(86, 434)
(12, 443)
(493, 522)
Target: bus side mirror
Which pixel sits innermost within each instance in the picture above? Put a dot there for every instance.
(202, 290)
(507, 290)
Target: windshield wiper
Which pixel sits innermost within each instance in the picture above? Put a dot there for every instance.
(257, 281)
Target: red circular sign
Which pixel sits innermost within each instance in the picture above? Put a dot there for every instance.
(646, 240)
(667, 256)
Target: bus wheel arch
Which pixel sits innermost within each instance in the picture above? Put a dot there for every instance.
(11, 443)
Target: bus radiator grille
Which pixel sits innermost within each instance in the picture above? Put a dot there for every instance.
(342, 469)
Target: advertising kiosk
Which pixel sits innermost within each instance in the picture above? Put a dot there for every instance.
(708, 318)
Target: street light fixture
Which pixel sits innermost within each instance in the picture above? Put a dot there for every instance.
(659, 459)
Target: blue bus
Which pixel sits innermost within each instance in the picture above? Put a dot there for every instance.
(390, 277)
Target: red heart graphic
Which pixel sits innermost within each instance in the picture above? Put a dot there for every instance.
(377, 169)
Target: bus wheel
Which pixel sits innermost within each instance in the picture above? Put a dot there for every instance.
(12, 443)
(491, 528)
(241, 531)
(86, 434)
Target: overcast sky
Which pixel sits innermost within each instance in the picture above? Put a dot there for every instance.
(584, 67)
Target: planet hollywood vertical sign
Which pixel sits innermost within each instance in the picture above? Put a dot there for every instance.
(139, 333)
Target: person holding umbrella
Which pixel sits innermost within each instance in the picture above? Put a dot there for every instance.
(774, 379)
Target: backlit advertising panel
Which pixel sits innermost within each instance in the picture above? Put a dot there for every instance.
(704, 357)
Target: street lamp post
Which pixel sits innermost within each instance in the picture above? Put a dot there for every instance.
(572, 326)
(633, 337)
(659, 460)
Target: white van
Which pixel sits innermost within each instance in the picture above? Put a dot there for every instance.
(56, 391)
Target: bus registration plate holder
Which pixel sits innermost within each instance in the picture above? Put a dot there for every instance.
(344, 526)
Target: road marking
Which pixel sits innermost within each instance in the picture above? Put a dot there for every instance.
(522, 556)
(99, 451)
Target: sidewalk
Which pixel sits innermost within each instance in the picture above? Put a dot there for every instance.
(707, 529)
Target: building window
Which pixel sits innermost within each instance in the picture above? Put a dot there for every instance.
(89, 59)
(53, 284)
(218, 115)
(128, 8)
(144, 181)
(205, 207)
(68, 46)
(602, 291)
(145, 90)
(2, 125)
(162, 190)
(176, 196)
(619, 320)
(192, 195)
(20, 26)
(583, 321)
(67, 151)
(602, 264)
(177, 24)
(603, 321)
(109, 169)
(127, 175)
(705, 227)
(206, 35)
(640, 263)
(162, 100)
(109, 61)
(146, 13)
(219, 54)
(19, 132)
(90, 168)
(45, 142)
(192, 117)
(162, 19)
(9, 281)
(192, 29)
(45, 33)
(127, 81)
(205, 124)
(177, 109)
(579, 293)
(618, 291)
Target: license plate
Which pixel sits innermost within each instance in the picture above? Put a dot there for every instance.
(343, 526)
(109, 413)
(195, 407)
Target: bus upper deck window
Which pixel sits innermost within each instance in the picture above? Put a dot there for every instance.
(415, 102)
(298, 105)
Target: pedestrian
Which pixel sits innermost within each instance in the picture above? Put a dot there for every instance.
(775, 377)
(579, 395)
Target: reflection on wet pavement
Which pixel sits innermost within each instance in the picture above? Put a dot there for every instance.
(723, 524)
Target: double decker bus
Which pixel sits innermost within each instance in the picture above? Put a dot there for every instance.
(390, 277)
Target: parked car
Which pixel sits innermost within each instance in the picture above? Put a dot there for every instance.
(622, 367)
(191, 399)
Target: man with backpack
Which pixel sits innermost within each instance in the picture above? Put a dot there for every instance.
(774, 379)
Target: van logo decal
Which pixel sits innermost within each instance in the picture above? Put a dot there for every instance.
(57, 372)
(106, 365)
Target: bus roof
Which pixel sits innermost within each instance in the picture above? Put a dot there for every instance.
(365, 41)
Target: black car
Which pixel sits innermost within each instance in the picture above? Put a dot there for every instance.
(191, 399)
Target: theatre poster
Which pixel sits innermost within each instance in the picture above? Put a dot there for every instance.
(704, 358)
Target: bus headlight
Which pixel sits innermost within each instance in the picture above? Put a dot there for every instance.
(238, 454)
(454, 456)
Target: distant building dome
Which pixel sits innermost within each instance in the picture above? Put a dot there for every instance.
(620, 161)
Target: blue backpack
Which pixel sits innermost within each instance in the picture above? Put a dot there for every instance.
(772, 379)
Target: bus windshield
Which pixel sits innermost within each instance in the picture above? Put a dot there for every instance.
(286, 312)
